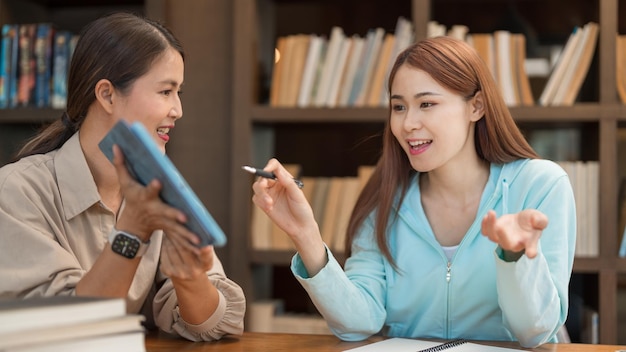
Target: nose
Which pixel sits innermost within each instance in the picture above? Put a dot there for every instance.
(413, 120)
(177, 109)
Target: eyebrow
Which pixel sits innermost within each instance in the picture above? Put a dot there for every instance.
(170, 82)
(416, 96)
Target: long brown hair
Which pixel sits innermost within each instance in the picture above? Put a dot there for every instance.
(456, 66)
(119, 47)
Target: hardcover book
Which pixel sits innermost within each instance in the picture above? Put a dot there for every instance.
(146, 162)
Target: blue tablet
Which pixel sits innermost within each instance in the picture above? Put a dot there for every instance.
(145, 162)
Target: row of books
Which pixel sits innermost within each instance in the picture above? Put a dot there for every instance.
(312, 70)
(70, 324)
(341, 70)
(505, 54)
(332, 200)
(34, 62)
(584, 177)
(570, 71)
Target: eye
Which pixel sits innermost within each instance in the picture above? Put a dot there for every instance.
(166, 92)
(426, 104)
(398, 107)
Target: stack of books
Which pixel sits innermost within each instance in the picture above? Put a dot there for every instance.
(69, 323)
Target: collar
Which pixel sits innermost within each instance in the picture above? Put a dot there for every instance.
(76, 184)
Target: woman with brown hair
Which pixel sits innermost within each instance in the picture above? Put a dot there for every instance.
(461, 232)
(63, 204)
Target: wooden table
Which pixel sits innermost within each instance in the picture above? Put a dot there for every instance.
(260, 342)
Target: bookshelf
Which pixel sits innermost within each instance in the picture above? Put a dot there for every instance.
(597, 113)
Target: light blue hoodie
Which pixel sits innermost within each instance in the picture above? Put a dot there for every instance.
(476, 295)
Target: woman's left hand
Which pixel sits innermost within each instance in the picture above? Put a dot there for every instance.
(179, 263)
(516, 232)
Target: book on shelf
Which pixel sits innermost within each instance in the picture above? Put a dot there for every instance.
(287, 57)
(328, 227)
(26, 81)
(572, 67)
(60, 67)
(435, 29)
(370, 60)
(33, 65)
(43, 64)
(404, 36)
(458, 31)
(584, 177)
(269, 316)
(578, 66)
(484, 45)
(377, 85)
(340, 68)
(351, 189)
(65, 323)
(398, 344)
(8, 62)
(558, 71)
(519, 67)
(294, 71)
(507, 81)
(319, 198)
(331, 66)
(277, 70)
(620, 75)
(351, 68)
(314, 54)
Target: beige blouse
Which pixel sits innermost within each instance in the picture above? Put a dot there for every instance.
(53, 227)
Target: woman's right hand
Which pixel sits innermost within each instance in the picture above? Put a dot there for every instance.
(286, 205)
(144, 211)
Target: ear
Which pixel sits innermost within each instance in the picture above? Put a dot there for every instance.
(477, 106)
(104, 94)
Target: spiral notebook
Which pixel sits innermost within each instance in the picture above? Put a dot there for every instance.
(397, 344)
(145, 162)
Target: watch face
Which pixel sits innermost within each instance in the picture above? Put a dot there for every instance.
(124, 245)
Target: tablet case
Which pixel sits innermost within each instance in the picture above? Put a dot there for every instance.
(145, 162)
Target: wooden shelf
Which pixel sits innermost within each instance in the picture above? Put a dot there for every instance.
(584, 112)
(29, 115)
(283, 257)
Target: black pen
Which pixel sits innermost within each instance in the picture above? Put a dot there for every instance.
(267, 174)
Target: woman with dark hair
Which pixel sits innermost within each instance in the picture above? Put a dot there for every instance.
(450, 237)
(62, 203)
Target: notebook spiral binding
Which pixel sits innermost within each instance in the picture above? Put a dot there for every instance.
(445, 346)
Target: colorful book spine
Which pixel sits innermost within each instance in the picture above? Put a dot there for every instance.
(9, 35)
(60, 69)
(43, 59)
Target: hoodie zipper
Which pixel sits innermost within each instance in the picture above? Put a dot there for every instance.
(505, 196)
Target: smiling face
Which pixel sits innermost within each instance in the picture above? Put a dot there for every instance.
(433, 125)
(153, 99)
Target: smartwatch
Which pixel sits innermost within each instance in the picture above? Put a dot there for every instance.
(127, 245)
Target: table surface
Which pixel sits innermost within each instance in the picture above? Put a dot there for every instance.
(275, 342)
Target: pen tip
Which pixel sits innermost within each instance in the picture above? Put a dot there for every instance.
(248, 168)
